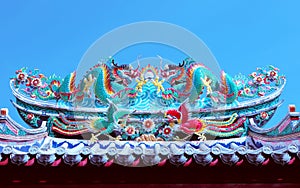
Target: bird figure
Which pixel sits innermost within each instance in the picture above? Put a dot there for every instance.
(191, 125)
(115, 118)
(186, 124)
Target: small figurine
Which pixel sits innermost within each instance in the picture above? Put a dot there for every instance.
(140, 83)
(88, 84)
(206, 81)
(158, 84)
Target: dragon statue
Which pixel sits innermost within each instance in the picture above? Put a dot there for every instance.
(102, 80)
(192, 78)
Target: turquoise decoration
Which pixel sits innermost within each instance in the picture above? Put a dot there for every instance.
(149, 115)
(174, 102)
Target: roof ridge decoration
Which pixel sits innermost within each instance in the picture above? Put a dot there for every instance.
(148, 115)
(167, 103)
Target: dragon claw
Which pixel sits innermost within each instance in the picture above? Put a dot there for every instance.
(201, 136)
(93, 139)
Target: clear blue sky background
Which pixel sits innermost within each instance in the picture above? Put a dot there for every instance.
(242, 35)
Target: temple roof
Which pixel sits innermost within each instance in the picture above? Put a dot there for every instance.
(258, 148)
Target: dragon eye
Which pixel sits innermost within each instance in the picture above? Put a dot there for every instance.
(119, 122)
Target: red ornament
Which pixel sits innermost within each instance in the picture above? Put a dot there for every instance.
(292, 108)
(264, 115)
(273, 73)
(130, 130)
(35, 82)
(167, 130)
(4, 111)
(258, 79)
(21, 76)
(30, 116)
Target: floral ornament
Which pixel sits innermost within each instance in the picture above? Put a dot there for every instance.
(30, 116)
(167, 132)
(264, 115)
(258, 80)
(130, 130)
(245, 92)
(273, 75)
(22, 76)
(36, 82)
(148, 125)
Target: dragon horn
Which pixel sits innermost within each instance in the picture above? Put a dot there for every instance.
(115, 64)
(181, 64)
(138, 61)
(161, 60)
(121, 66)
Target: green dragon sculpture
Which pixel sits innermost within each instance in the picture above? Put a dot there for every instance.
(196, 78)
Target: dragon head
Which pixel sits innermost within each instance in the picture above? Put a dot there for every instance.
(171, 69)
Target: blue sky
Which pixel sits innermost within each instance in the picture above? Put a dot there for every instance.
(242, 35)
